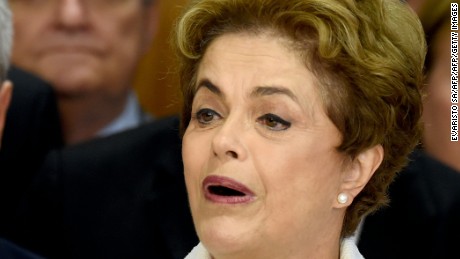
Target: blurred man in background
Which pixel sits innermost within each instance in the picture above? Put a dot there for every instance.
(122, 196)
(88, 50)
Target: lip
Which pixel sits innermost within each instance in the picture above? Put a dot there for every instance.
(242, 193)
(71, 49)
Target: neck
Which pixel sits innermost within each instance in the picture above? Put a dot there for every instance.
(321, 240)
(83, 118)
(322, 247)
(321, 252)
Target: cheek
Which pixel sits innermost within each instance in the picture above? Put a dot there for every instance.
(299, 196)
(187, 155)
(195, 150)
(120, 35)
(295, 179)
(24, 27)
(190, 168)
(129, 28)
(192, 145)
(301, 176)
(24, 33)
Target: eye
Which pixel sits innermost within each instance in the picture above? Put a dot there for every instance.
(206, 116)
(273, 122)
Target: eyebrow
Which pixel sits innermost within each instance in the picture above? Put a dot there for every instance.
(257, 92)
(271, 90)
(210, 86)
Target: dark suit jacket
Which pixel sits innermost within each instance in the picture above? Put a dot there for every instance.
(423, 218)
(32, 128)
(117, 197)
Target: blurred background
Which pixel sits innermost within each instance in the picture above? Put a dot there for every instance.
(156, 83)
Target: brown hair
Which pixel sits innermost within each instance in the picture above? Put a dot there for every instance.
(366, 54)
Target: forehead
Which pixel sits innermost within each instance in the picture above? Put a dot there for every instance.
(255, 60)
(98, 6)
(246, 66)
(251, 48)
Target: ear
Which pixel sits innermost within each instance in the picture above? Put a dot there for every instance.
(151, 18)
(5, 98)
(357, 174)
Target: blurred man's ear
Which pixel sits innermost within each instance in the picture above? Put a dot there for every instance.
(5, 97)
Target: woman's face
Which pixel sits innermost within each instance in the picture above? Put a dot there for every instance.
(261, 165)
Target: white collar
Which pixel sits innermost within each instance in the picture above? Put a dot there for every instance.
(199, 252)
(131, 117)
(348, 250)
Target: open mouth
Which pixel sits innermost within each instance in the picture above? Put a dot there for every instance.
(224, 191)
(220, 189)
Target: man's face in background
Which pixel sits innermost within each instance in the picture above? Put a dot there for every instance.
(82, 46)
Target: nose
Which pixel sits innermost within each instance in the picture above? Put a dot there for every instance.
(72, 14)
(228, 142)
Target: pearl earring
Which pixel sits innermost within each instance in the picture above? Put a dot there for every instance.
(342, 198)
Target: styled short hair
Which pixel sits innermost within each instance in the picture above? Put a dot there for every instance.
(367, 56)
(6, 38)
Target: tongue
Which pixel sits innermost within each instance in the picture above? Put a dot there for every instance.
(224, 191)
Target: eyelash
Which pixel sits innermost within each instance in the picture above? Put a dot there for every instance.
(206, 112)
(272, 118)
(265, 119)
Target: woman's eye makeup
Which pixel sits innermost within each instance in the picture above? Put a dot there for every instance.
(206, 116)
(274, 122)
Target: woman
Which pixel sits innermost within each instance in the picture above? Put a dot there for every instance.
(297, 115)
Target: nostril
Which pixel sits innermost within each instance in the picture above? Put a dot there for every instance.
(233, 154)
(227, 145)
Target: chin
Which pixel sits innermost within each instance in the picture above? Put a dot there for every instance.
(75, 82)
(223, 235)
(74, 89)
